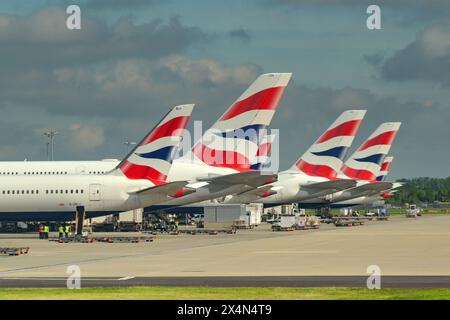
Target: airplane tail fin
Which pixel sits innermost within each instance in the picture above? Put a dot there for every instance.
(365, 162)
(152, 157)
(325, 157)
(385, 167)
(232, 142)
(262, 155)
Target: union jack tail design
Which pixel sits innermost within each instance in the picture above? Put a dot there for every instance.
(325, 157)
(262, 155)
(385, 167)
(365, 163)
(232, 142)
(152, 158)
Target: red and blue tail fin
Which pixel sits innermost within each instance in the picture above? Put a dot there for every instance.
(232, 142)
(262, 155)
(385, 167)
(365, 162)
(325, 157)
(152, 158)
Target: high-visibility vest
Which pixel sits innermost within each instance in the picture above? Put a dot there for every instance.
(46, 229)
(67, 229)
(61, 229)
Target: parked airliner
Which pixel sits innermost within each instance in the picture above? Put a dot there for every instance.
(137, 181)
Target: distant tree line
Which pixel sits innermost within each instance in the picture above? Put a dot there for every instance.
(427, 190)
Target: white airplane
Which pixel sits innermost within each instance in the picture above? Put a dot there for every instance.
(267, 87)
(363, 166)
(315, 173)
(57, 167)
(377, 197)
(221, 162)
(137, 181)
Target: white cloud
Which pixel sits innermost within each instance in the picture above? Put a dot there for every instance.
(86, 137)
(435, 42)
(210, 71)
(349, 98)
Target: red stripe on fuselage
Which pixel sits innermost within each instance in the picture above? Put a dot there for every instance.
(266, 99)
(348, 128)
(168, 129)
(385, 138)
(316, 170)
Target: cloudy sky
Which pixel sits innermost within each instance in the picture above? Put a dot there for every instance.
(133, 59)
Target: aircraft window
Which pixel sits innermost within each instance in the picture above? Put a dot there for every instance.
(51, 191)
(66, 172)
(32, 191)
(8, 191)
(37, 191)
(81, 191)
(18, 191)
(56, 191)
(12, 192)
(23, 191)
(62, 191)
(76, 191)
(46, 191)
(67, 191)
(98, 191)
(71, 191)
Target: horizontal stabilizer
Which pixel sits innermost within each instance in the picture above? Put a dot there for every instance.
(373, 187)
(258, 191)
(333, 185)
(250, 178)
(368, 189)
(164, 190)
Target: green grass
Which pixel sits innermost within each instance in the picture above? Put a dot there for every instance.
(193, 293)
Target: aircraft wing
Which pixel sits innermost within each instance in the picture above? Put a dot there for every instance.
(258, 192)
(327, 187)
(365, 190)
(162, 190)
(331, 186)
(373, 187)
(252, 179)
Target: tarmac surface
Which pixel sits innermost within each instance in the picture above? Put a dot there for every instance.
(409, 253)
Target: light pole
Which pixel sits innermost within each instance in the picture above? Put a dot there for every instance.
(129, 144)
(50, 134)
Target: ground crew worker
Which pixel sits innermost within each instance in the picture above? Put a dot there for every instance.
(61, 231)
(67, 230)
(41, 231)
(46, 231)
